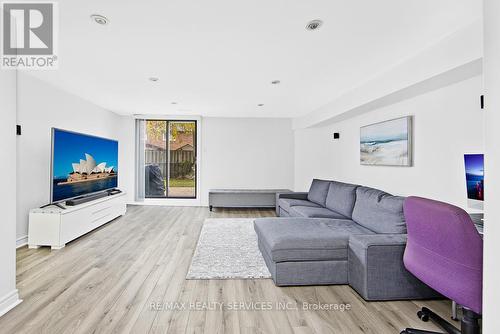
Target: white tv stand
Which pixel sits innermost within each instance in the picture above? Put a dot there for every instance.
(55, 227)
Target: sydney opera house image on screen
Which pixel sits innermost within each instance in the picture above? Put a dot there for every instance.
(82, 164)
(87, 170)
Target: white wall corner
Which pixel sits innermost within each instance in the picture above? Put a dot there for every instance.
(9, 301)
(21, 241)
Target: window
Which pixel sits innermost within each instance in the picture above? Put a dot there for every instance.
(170, 159)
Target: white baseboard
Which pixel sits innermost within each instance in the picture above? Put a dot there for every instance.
(22, 241)
(169, 202)
(9, 301)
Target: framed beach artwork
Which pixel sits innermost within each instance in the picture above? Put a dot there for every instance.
(387, 143)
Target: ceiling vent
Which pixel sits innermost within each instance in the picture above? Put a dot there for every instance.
(314, 25)
(99, 19)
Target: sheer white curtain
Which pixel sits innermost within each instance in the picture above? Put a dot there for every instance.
(140, 140)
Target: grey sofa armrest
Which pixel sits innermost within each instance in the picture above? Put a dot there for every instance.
(293, 195)
(377, 271)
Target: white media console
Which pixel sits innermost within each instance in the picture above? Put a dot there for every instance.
(54, 227)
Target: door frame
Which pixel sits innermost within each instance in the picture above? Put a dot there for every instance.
(183, 201)
(195, 156)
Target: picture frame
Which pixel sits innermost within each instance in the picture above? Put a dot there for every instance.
(387, 143)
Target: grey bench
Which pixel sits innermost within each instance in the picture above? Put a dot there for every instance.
(243, 198)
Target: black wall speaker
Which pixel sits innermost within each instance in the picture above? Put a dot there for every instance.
(336, 135)
(18, 130)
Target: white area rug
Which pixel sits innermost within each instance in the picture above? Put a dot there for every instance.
(227, 249)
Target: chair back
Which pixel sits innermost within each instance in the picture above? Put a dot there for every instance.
(444, 250)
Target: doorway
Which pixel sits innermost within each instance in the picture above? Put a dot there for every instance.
(170, 159)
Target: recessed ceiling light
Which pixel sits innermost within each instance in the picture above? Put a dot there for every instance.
(275, 82)
(154, 79)
(99, 19)
(314, 25)
(174, 102)
(260, 105)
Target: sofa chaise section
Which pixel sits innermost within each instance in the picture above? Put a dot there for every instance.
(304, 251)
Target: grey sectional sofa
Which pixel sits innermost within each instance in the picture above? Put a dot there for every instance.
(339, 233)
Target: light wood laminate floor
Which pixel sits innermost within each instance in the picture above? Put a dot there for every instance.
(109, 280)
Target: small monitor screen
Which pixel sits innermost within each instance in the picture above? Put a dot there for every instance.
(474, 174)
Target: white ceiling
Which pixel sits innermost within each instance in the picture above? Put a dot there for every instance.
(218, 57)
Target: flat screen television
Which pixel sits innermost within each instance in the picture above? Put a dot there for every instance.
(82, 164)
(474, 175)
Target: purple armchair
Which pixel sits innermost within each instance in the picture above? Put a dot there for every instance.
(445, 251)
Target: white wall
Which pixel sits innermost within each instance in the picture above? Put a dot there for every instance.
(447, 123)
(41, 107)
(8, 293)
(125, 133)
(454, 58)
(491, 289)
(246, 153)
(235, 152)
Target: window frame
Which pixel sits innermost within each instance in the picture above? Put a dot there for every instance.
(167, 153)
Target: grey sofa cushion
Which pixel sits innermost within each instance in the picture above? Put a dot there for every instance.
(318, 191)
(302, 239)
(286, 203)
(314, 212)
(341, 198)
(379, 211)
